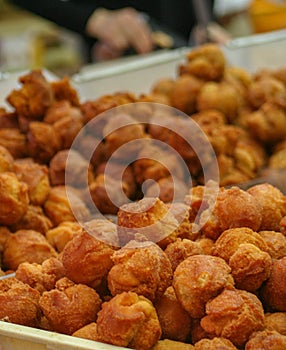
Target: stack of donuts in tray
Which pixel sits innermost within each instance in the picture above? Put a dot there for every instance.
(206, 271)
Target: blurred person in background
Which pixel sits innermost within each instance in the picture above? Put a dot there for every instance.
(117, 27)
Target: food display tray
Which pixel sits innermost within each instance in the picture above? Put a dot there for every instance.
(133, 74)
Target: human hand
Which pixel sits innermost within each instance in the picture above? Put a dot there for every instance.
(118, 31)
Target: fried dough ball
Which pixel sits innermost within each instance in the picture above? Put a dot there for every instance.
(70, 306)
(184, 93)
(140, 267)
(33, 219)
(147, 219)
(229, 241)
(26, 246)
(235, 315)
(5, 233)
(121, 130)
(60, 235)
(273, 291)
(63, 90)
(273, 205)
(86, 259)
(14, 141)
(276, 321)
(233, 208)
(92, 149)
(219, 96)
(199, 278)
(181, 249)
(266, 89)
(87, 332)
(175, 322)
(129, 320)
(6, 160)
(41, 277)
(104, 230)
(206, 62)
(36, 176)
(67, 129)
(8, 119)
(34, 97)
(19, 303)
(108, 194)
(68, 166)
(63, 204)
(266, 340)
(276, 243)
(167, 344)
(268, 123)
(250, 267)
(43, 141)
(13, 197)
(215, 343)
(163, 86)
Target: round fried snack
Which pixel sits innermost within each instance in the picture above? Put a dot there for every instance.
(184, 93)
(215, 344)
(273, 205)
(167, 344)
(34, 219)
(206, 62)
(181, 249)
(36, 176)
(41, 277)
(235, 315)
(87, 332)
(70, 306)
(233, 208)
(86, 259)
(199, 278)
(250, 267)
(129, 320)
(276, 243)
(273, 292)
(266, 340)
(63, 204)
(13, 197)
(26, 246)
(175, 322)
(15, 141)
(19, 303)
(59, 236)
(6, 160)
(276, 321)
(148, 219)
(229, 241)
(140, 267)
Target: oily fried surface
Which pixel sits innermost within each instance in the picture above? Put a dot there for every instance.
(130, 320)
(69, 306)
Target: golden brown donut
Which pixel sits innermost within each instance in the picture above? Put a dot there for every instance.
(86, 259)
(276, 243)
(250, 267)
(234, 314)
(13, 197)
(140, 267)
(129, 320)
(266, 340)
(26, 246)
(60, 235)
(276, 321)
(229, 241)
(19, 303)
(70, 306)
(214, 344)
(273, 204)
(15, 141)
(199, 278)
(41, 277)
(175, 322)
(273, 292)
(87, 332)
(36, 176)
(6, 160)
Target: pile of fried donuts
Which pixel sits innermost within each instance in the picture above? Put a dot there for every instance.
(205, 272)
